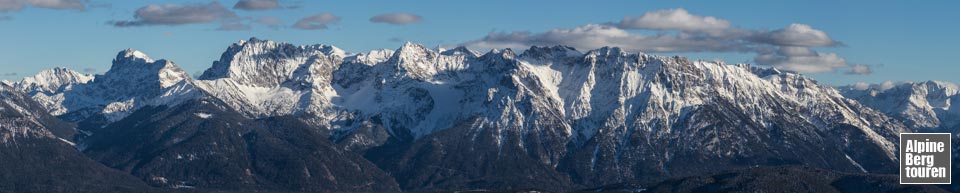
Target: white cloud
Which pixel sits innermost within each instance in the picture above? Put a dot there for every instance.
(593, 36)
(673, 19)
(17, 5)
(57, 4)
(175, 14)
(10, 5)
(887, 85)
(677, 31)
(796, 35)
(255, 5)
(860, 86)
(316, 22)
(801, 59)
(860, 69)
(396, 18)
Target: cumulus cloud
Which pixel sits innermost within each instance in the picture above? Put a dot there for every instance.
(594, 36)
(175, 14)
(255, 5)
(233, 27)
(57, 4)
(673, 19)
(678, 31)
(796, 35)
(10, 5)
(887, 85)
(860, 69)
(17, 5)
(801, 59)
(860, 86)
(396, 18)
(316, 22)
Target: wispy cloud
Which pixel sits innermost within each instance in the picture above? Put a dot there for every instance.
(9, 74)
(17, 5)
(396, 18)
(316, 22)
(176, 14)
(796, 35)
(673, 19)
(233, 27)
(10, 5)
(860, 69)
(678, 31)
(257, 5)
(801, 59)
(58, 4)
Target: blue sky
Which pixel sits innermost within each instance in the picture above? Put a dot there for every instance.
(898, 41)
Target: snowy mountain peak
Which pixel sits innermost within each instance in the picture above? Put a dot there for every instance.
(924, 105)
(252, 39)
(460, 50)
(371, 58)
(265, 63)
(133, 55)
(607, 51)
(553, 52)
(505, 53)
(132, 66)
(133, 81)
(410, 51)
(415, 61)
(411, 45)
(52, 80)
(946, 88)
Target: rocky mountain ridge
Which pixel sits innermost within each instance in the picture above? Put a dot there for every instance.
(455, 119)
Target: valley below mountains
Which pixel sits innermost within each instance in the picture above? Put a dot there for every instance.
(276, 117)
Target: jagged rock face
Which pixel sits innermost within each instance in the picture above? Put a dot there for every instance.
(262, 63)
(922, 105)
(22, 118)
(35, 159)
(49, 82)
(46, 86)
(134, 81)
(659, 116)
(266, 79)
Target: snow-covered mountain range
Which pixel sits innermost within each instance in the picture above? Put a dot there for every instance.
(930, 105)
(133, 81)
(440, 119)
